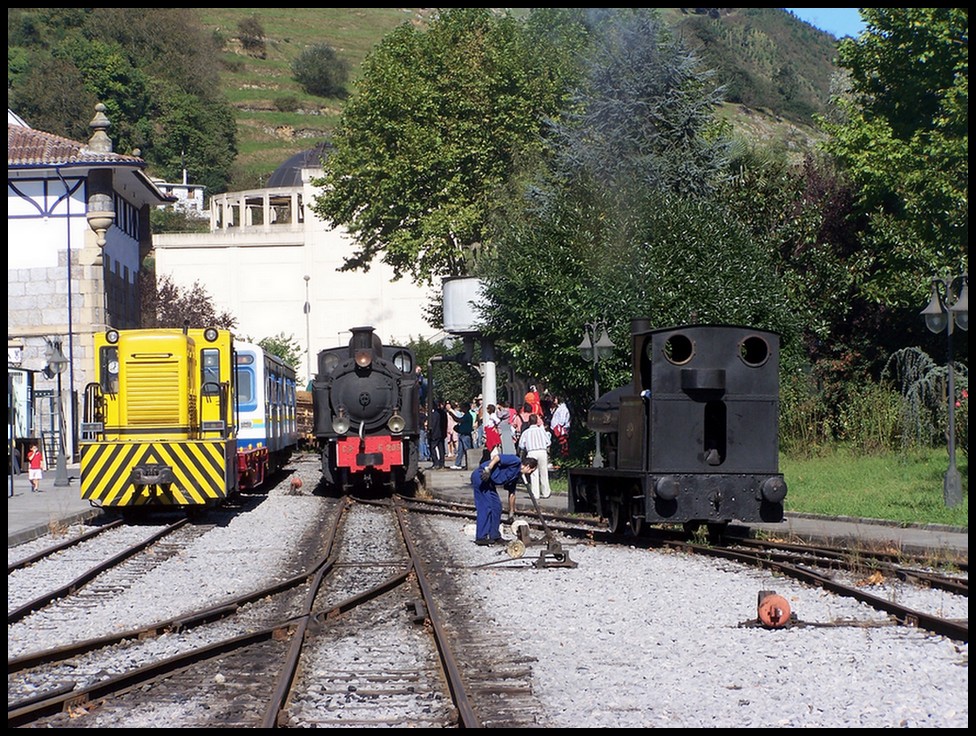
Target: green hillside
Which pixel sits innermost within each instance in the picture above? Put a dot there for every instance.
(777, 70)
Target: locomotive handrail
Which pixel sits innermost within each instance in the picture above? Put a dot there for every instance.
(93, 413)
(221, 393)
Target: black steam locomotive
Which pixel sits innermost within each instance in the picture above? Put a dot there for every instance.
(366, 415)
(693, 439)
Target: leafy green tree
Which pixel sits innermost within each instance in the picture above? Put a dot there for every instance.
(320, 71)
(629, 223)
(50, 95)
(285, 347)
(155, 69)
(905, 146)
(440, 122)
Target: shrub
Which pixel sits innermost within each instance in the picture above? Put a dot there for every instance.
(804, 424)
(871, 421)
(924, 384)
(250, 32)
(286, 103)
(320, 71)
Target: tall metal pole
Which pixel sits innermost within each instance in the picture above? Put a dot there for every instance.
(61, 476)
(944, 313)
(598, 455)
(11, 427)
(952, 485)
(591, 346)
(308, 333)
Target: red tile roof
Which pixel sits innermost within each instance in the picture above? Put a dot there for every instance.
(27, 147)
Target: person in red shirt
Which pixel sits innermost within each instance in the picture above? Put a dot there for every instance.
(534, 402)
(35, 463)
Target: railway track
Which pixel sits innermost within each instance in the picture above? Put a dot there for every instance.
(348, 641)
(376, 623)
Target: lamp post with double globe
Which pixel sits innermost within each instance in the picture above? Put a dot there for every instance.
(949, 306)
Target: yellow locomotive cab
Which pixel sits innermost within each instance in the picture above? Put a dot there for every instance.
(159, 423)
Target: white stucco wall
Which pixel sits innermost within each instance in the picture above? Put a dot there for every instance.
(258, 275)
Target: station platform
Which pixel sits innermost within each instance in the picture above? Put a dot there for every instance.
(31, 515)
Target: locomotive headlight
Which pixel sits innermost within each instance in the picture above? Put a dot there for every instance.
(396, 423)
(774, 490)
(112, 337)
(340, 425)
(210, 334)
(364, 358)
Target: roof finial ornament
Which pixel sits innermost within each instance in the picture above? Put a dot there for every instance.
(99, 141)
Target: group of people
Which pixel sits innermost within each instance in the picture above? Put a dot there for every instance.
(450, 430)
(516, 445)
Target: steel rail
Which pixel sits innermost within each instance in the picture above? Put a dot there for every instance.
(86, 577)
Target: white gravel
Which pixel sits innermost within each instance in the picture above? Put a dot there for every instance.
(637, 638)
(629, 638)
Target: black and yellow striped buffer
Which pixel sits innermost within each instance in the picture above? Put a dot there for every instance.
(199, 473)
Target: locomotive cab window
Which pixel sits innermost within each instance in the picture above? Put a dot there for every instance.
(109, 360)
(403, 361)
(209, 371)
(754, 351)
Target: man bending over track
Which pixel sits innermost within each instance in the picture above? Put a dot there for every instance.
(499, 470)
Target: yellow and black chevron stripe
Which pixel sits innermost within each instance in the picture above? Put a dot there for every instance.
(204, 471)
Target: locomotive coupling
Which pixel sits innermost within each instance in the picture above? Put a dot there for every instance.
(774, 610)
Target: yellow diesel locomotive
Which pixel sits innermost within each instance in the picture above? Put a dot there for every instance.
(160, 425)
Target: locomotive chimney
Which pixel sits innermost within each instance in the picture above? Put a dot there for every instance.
(637, 329)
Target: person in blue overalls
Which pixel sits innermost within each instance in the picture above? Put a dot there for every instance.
(499, 470)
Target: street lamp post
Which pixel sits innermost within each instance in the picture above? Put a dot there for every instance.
(592, 349)
(940, 315)
(308, 334)
(56, 363)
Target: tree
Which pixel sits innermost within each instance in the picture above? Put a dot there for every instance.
(170, 305)
(285, 347)
(440, 121)
(155, 69)
(629, 222)
(643, 117)
(320, 71)
(250, 32)
(904, 142)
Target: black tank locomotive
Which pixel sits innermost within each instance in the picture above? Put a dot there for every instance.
(693, 439)
(366, 415)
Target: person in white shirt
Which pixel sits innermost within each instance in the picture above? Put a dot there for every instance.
(535, 441)
(560, 425)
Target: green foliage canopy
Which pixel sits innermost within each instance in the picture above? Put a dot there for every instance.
(285, 347)
(320, 71)
(155, 69)
(628, 223)
(905, 145)
(438, 124)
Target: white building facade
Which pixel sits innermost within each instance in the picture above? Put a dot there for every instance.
(268, 255)
(77, 233)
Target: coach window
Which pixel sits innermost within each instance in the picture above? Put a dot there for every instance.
(210, 371)
(109, 360)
